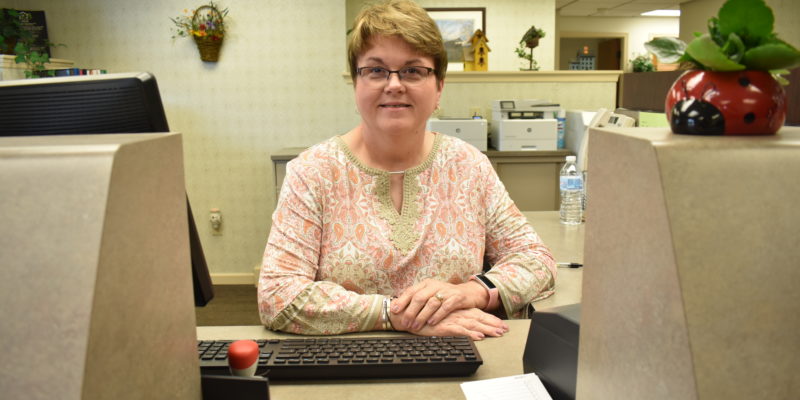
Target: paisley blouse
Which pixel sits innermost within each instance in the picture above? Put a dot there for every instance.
(338, 246)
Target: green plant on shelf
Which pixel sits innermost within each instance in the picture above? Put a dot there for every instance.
(529, 40)
(16, 40)
(642, 63)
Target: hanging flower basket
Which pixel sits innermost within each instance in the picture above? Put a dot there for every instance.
(210, 32)
(206, 26)
(209, 48)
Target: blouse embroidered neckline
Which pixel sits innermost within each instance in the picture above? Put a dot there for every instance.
(402, 234)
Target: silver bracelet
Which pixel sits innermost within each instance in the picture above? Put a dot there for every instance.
(386, 322)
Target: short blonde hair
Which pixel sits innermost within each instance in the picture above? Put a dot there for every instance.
(402, 18)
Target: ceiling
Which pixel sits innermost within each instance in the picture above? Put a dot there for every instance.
(613, 8)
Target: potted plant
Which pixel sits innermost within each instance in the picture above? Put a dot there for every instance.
(734, 83)
(529, 40)
(206, 25)
(10, 30)
(642, 63)
(16, 40)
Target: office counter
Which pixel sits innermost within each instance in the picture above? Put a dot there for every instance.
(501, 356)
(566, 244)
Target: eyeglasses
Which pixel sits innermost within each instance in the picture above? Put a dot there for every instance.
(377, 76)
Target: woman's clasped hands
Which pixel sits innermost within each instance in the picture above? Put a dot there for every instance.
(436, 308)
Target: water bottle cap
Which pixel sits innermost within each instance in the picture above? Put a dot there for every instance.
(570, 158)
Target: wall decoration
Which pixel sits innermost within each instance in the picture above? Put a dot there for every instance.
(206, 25)
(529, 40)
(458, 26)
(476, 53)
(31, 26)
(24, 35)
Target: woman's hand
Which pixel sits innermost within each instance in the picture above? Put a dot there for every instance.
(471, 322)
(431, 301)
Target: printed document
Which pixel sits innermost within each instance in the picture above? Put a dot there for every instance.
(517, 387)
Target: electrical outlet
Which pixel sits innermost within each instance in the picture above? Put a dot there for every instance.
(215, 217)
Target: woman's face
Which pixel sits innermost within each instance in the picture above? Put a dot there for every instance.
(394, 106)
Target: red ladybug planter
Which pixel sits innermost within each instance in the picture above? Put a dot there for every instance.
(726, 103)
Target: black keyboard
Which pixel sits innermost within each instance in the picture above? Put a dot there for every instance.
(351, 358)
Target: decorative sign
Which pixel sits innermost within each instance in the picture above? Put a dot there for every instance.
(35, 23)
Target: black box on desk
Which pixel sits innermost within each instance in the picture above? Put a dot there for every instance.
(551, 351)
(224, 387)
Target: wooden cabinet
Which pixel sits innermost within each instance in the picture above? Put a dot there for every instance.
(531, 177)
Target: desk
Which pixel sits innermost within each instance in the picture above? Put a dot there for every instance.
(501, 356)
(566, 244)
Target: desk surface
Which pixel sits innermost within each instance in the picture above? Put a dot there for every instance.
(501, 356)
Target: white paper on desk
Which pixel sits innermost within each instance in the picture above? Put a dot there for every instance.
(517, 387)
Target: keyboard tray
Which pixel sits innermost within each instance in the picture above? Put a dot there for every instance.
(351, 358)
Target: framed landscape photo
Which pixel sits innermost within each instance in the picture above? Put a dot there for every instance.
(457, 26)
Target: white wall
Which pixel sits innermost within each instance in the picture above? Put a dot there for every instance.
(506, 22)
(278, 84)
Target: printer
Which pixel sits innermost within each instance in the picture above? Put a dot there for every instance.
(472, 131)
(524, 125)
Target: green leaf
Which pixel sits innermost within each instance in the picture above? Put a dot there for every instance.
(668, 50)
(777, 74)
(781, 80)
(20, 48)
(709, 54)
(713, 31)
(775, 55)
(734, 48)
(752, 20)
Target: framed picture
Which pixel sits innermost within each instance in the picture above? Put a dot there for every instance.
(457, 26)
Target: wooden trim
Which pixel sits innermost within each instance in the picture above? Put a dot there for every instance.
(55, 63)
(239, 278)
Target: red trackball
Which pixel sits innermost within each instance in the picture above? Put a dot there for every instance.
(242, 354)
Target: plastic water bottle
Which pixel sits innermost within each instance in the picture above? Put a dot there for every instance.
(571, 184)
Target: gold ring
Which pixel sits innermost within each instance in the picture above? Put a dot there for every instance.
(439, 297)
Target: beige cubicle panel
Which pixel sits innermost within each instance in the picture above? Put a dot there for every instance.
(96, 288)
(690, 289)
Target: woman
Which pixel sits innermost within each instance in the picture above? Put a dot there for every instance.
(390, 209)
